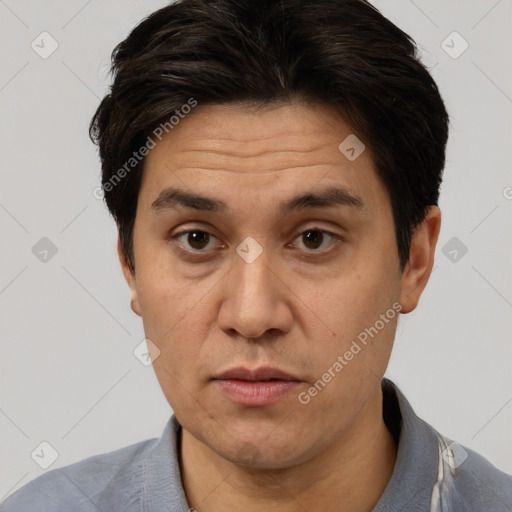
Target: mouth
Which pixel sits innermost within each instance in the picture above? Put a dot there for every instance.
(262, 374)
(255, 388)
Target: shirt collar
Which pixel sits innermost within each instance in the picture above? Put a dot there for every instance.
(416, 466)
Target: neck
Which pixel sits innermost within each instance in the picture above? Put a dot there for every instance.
(351, 475)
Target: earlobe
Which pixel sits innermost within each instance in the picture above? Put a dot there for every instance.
(129, 276)
(421, 260)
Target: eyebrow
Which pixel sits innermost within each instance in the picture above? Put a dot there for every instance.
(172, 197)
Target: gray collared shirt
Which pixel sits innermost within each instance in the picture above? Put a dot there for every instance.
(431, 474)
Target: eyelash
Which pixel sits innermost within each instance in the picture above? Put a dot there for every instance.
(337, 239)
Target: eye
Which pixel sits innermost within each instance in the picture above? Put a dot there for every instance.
(197, 239)
(314, 238)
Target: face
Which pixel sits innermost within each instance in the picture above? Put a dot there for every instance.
(271, 275)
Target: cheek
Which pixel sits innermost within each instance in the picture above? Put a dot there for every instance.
(353, 301)
(358, 326)
(164, 296)
(174, 324)
(175, 321)
(348, 373)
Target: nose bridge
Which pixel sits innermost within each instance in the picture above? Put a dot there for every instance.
(251, 307)
(252, 282)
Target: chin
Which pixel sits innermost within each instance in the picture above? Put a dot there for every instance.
(261, 451)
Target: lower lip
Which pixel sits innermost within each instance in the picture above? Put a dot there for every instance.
(256, 393)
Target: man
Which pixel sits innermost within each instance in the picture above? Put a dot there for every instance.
(273, 168)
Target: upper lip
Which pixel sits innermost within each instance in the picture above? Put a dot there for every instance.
(258, 374)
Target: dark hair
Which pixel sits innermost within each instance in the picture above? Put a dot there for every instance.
(339, 53)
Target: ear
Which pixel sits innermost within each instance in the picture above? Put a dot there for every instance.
(421, 260)
(129, 276)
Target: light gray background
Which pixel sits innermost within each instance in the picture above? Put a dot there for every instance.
(68, 374)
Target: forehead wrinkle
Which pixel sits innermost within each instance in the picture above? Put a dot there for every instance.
(282, 152)
(263, 162)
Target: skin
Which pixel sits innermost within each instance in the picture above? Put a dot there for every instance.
(292, 308)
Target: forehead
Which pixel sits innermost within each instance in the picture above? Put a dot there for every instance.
(284, 132)
(235, 150)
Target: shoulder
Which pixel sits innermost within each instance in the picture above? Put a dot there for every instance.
(476, 482)
(76, 486)
(442, 475)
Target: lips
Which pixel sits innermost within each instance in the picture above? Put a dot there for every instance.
(255, 388)
(264, 373)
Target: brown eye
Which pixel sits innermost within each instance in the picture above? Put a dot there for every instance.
(312, 239)
(198, 239)
(194, 240)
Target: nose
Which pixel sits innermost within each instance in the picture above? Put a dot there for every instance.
(255, 300)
